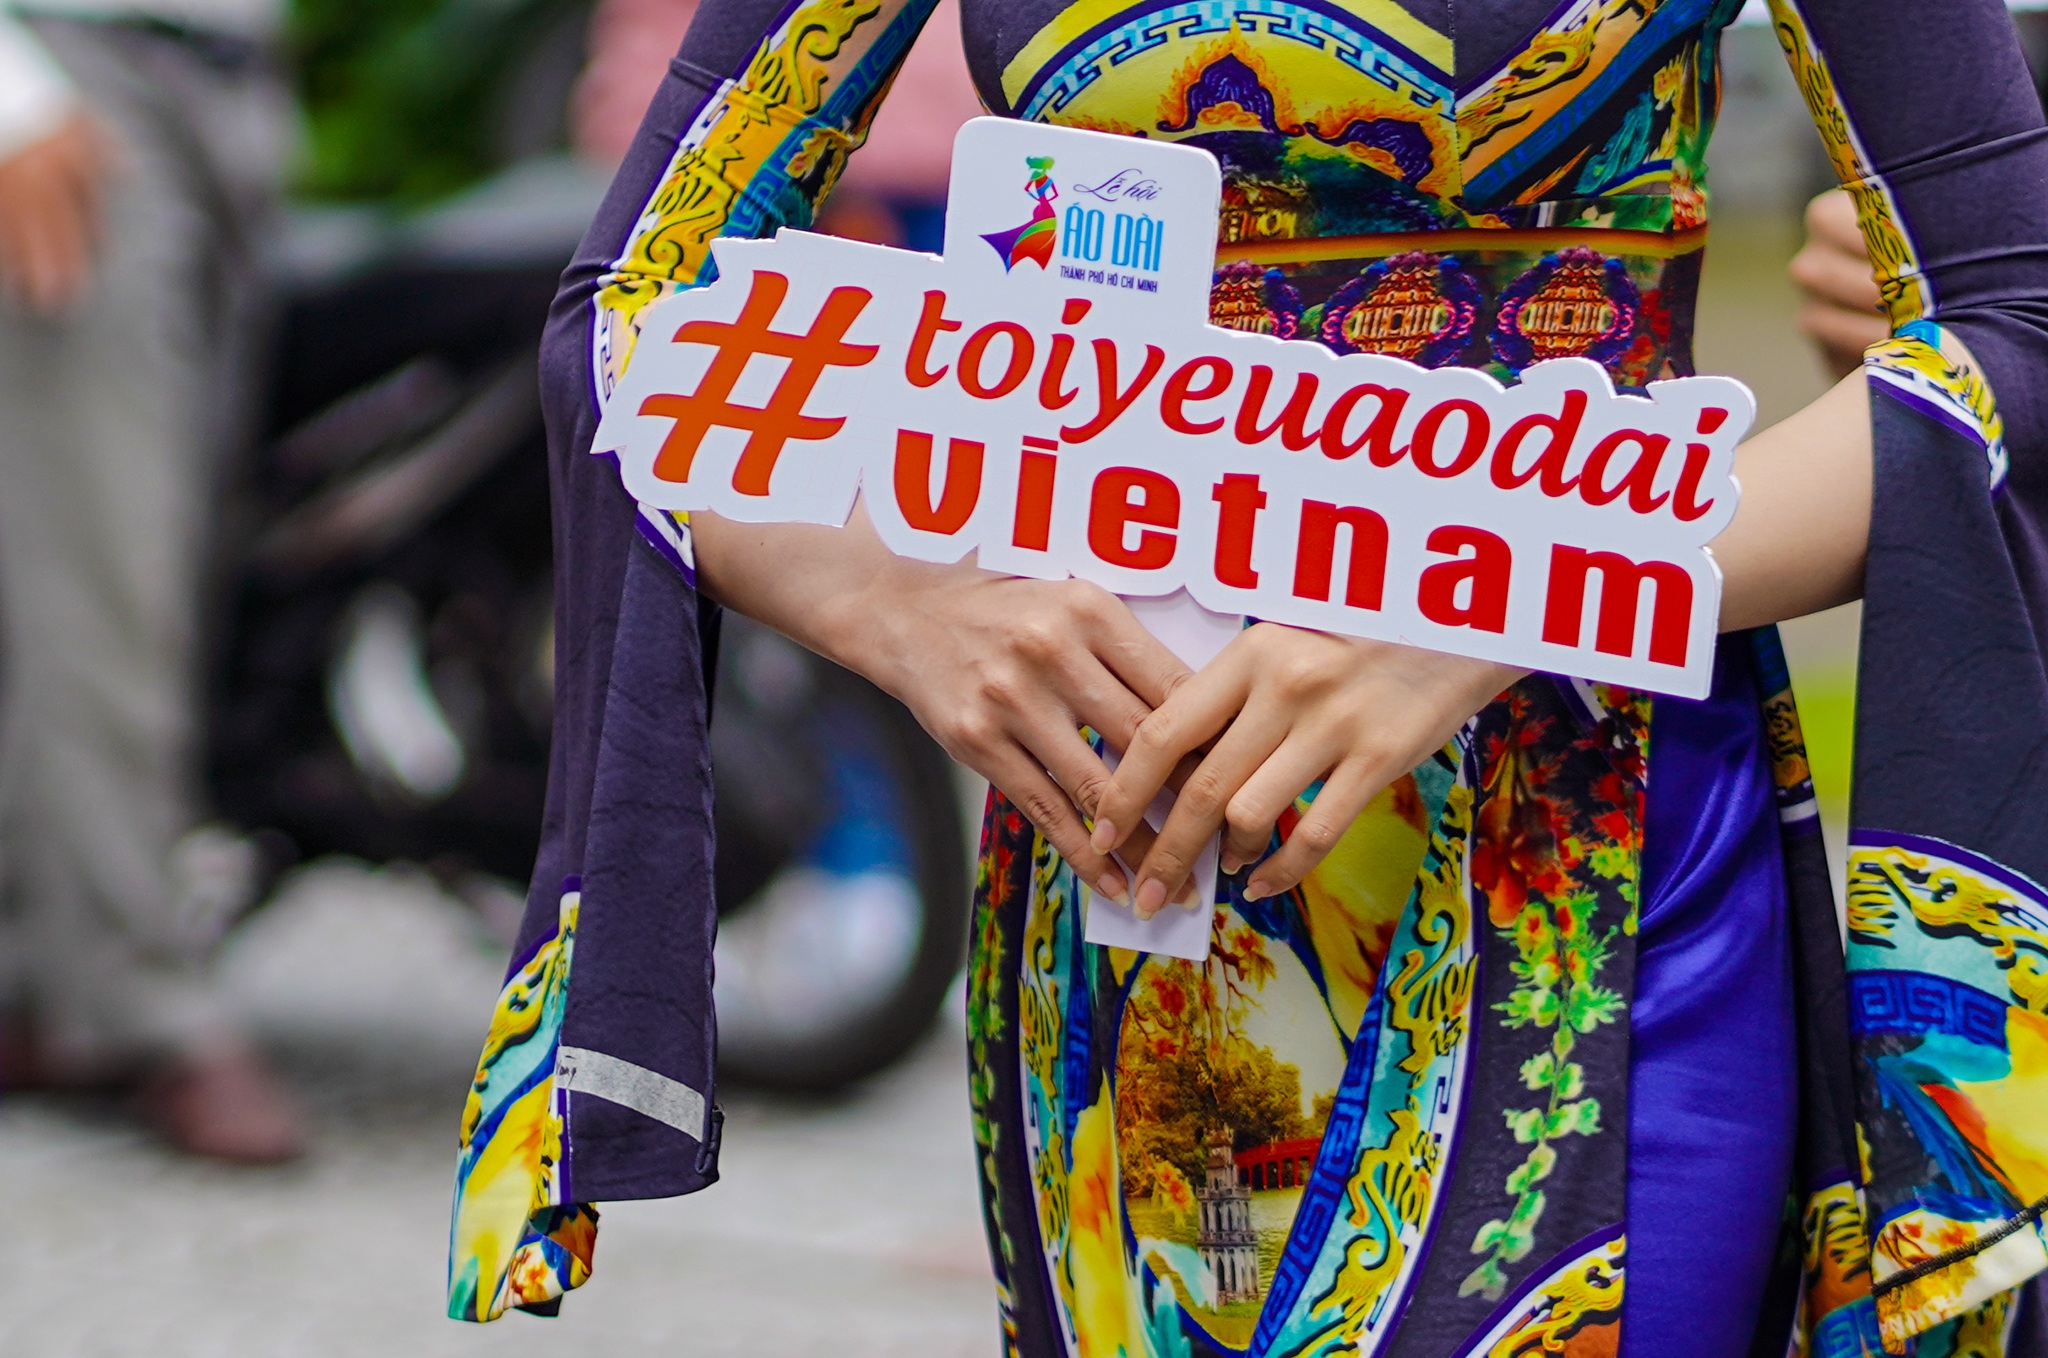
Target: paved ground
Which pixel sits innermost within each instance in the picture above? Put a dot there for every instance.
(847, 1227)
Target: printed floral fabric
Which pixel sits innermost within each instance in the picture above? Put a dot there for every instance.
(513, 1241)
(1934, 1216)
(1298, 1146)
(1555, 206)
(1948, 998)
(1389, 1114)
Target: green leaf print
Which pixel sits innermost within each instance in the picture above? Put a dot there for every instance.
(1531, 1005)
(1559, 951)
(1590, 1006)
(1486, 1280)
(1534, 1169)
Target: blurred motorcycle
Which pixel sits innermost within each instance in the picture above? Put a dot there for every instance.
(384, 663)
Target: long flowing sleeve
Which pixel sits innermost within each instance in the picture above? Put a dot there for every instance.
(596, 1080)
(1932, 123)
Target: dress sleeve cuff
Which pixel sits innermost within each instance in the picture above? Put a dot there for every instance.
(35, 95)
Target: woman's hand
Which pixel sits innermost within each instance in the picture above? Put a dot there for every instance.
(1840, 309)
(50, 193)
(1284, 708)
(1002, 671)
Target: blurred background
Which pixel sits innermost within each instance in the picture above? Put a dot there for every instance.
(378, 661)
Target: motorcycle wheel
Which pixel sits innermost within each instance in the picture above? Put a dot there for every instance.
(392, 699)
(834, 964)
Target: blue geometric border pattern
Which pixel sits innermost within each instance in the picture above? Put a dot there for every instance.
(1324, 27)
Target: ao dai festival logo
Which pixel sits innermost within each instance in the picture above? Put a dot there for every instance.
(1132, 240)
(1120, 235)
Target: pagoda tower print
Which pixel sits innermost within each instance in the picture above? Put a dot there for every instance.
(1224, 1237)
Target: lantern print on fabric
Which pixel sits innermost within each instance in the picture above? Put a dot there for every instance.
(1257, 301)
(1416, 306)
(1574, 304)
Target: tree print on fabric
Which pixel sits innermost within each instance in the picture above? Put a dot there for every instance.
(1186, 1069)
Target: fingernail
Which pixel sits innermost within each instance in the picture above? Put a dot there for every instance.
(1231, 863)
(1103, 838)
(1111, 885)
(1257, 889)
(1186, 894)
(1151, 896)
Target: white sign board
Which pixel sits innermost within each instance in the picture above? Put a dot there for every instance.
(1050, 397)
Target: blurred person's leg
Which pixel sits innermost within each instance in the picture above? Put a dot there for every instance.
(112, 420)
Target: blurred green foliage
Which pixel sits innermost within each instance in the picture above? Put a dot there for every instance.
(1827, 717)
(408, 100)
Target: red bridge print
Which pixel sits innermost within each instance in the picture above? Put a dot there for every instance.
(1277, 1164)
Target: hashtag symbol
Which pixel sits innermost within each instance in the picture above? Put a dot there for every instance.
(769, 427)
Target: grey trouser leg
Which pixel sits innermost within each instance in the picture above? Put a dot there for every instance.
(113, 421)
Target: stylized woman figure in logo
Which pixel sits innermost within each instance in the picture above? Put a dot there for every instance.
(1033, 240)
